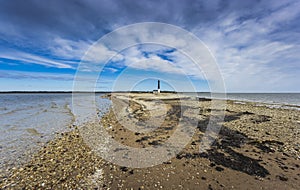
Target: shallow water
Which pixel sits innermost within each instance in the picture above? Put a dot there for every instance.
(278, 100)
(27, 121)
(271, 98)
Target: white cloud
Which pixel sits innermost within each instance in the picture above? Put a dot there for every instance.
(250, 56)
(247, 56)
(68, 49)
(283, 14)
(31, 58)
(35, 75)
(129, 44)
(99, 53)
(180, 64)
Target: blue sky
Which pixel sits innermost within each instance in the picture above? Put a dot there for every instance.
(255, 43)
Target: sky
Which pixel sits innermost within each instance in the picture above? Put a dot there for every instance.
(255, 43)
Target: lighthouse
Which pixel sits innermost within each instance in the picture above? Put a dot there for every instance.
(158, 86)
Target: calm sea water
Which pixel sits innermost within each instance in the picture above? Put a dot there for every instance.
(280, 99)
(27, 121)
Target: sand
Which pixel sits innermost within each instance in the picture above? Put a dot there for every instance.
(256, 148)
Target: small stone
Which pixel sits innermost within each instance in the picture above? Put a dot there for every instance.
(282, 177)
(124, 169)
(219, 169)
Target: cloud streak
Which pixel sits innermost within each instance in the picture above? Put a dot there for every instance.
(35, 75)
(34, 59)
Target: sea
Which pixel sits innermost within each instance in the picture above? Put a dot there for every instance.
(29, 120)
(281, 100)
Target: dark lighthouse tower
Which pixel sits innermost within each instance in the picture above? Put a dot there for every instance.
(158, 86)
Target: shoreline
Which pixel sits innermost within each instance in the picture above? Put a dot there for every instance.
(257, 146)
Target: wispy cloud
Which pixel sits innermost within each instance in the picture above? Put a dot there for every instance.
(35, 75)
(33, 59)
(251, 52)
(68, 49)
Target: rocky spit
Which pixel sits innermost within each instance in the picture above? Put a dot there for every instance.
(257, 147)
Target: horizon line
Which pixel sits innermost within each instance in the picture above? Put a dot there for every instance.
(134, 91)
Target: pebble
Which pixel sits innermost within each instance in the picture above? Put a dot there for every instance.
(219, 169)
(282, 177)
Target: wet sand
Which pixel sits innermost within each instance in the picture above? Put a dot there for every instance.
(257, 148)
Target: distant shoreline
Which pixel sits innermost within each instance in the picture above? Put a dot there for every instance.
(12, 92)
(40, 92)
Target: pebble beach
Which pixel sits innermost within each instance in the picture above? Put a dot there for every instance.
(257, 147)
